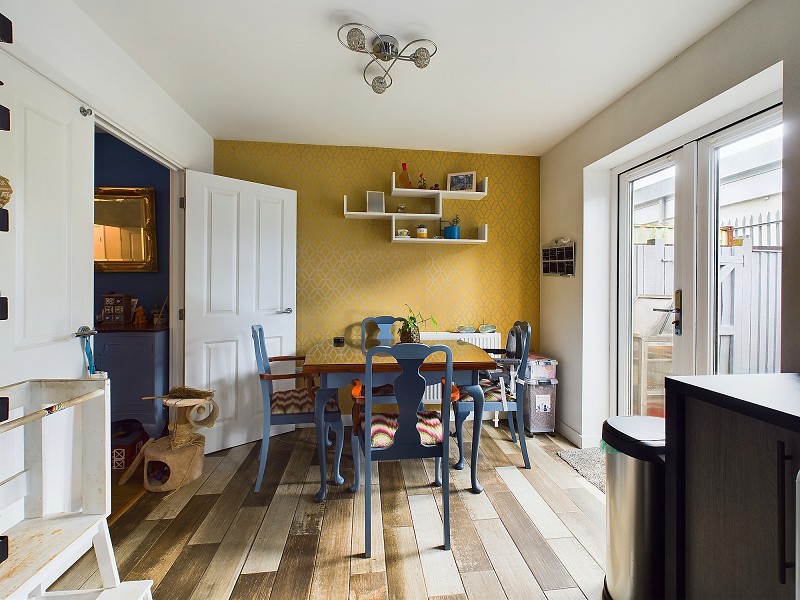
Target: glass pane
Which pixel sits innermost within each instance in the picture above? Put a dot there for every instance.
(653, 288)
(749, 202)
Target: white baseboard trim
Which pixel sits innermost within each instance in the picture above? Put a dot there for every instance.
(581, 441)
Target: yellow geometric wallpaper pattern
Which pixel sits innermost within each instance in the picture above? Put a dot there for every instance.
(348, 269)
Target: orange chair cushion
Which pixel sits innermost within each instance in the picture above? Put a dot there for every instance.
(297, 401)
(382, 390)
(384, 428)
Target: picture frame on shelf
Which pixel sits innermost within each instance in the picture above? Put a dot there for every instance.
(375, 202)
(461, 182)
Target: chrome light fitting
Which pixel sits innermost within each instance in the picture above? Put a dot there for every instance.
(383, 49)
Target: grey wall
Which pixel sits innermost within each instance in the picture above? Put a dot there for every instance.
(575, 312)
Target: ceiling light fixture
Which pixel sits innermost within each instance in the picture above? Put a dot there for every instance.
(383, 48)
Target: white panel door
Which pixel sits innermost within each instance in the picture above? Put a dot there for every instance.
(241, 246)
(46, 264)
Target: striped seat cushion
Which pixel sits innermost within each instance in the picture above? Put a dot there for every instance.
(297, 401)
(384, 427)
(491, 392)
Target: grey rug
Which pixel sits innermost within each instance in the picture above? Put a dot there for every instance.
(590, 463)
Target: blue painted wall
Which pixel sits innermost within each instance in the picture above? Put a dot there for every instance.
(118, 165)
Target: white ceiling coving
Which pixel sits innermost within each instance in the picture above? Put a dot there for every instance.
(510, 77)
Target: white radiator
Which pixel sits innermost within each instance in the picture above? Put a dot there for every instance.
(433, 393)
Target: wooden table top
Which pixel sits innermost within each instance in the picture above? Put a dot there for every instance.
(327, 358)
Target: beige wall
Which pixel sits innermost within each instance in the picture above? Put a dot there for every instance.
(762, 34)
(348, 269)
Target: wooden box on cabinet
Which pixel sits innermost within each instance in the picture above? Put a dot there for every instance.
(137, 363)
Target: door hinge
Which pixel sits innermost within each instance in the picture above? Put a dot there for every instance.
(182, 202)
(180, 314)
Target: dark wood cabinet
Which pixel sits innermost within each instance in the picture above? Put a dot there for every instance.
(137, 363)
(733, 455)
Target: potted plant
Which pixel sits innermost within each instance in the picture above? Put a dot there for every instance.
(409, 331)
(453, 231)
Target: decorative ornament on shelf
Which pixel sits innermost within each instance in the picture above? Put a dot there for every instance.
(5, 191)
(404, 179)
(421, 182)
(453, 231)
(384, 48)
(409, 330)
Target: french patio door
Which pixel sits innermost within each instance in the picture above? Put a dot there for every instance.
(700, 262)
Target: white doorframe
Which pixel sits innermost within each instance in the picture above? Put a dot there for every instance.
(176, 237)
(696, 262)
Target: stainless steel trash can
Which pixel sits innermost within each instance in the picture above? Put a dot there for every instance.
(634, 448)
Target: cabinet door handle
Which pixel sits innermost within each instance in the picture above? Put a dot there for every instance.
(287, 311)
(782, 562)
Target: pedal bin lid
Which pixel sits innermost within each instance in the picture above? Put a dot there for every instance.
(637, 436)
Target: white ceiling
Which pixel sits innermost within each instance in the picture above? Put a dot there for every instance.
(510, 77)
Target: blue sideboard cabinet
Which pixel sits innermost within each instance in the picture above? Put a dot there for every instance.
(137, 362)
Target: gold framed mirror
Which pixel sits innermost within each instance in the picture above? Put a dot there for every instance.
(125, 229)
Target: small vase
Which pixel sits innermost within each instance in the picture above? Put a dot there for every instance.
(409, 336)
(452, 232)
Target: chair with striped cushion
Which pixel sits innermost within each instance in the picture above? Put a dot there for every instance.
(408, 433)
(292, 406)
(512, 369)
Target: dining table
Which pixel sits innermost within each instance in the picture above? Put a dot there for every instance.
(337, 364)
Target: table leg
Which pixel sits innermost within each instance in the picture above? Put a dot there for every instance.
(322, 397)
(477, 397)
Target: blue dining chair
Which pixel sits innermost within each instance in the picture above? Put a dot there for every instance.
(290, 407)
(408, 433)
(513, 367)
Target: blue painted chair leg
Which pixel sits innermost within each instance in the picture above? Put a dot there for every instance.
(328, 442)
(437, 477)
(367, 505)
(477, 394)
(319, 424)
(338, 429)
(446, 503)
(356, 463)
(512, 415)
(522, 442)
(262, 460)
(460, 418)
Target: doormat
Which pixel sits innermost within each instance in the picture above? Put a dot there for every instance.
(588, 462)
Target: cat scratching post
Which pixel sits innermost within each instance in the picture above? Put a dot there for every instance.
(176, 460)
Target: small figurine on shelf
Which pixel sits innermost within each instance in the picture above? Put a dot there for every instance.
(139, 318)
(421, 182)
(435, 186)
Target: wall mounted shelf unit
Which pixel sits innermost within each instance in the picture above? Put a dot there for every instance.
(437, 196)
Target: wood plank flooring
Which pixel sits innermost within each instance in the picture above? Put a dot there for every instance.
(536, 533)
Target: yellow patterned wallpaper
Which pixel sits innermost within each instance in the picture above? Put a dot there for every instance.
(348, 269)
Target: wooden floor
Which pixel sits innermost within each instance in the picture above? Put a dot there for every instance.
(537, 533)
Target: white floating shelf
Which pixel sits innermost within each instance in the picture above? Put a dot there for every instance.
(437, 196)
(360, 214)
(483, 237)
(482, 190)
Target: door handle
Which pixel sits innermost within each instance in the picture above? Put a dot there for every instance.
(288, 311)
(677, 311)
(783, 564)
